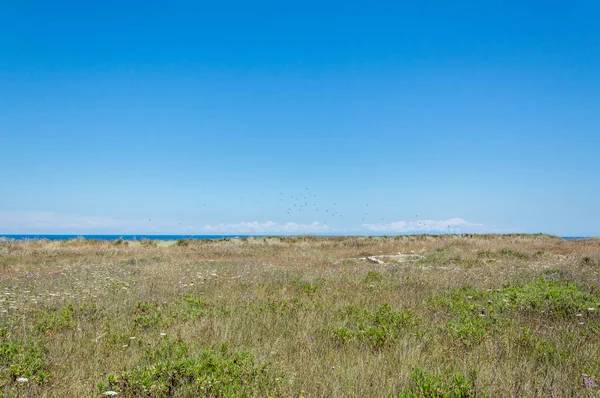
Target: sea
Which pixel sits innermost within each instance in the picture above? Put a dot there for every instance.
(152, 237)
(115, 237)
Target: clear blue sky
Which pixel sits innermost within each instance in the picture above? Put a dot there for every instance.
(133, 117)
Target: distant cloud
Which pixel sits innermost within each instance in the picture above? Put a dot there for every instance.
(256, 227)
(454, 224)
(41, 222)
(47, 222)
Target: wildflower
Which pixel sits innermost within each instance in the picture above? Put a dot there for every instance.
(163, 334)
(333, 368)
(591, 309)
(588, 381)
(125, 345)
(578, 314)
(110, 393)
(22, 380)
(132, 338)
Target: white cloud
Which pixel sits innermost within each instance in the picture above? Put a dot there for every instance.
(40, 222)
(256, 227)
(47, 222)
(454, 225)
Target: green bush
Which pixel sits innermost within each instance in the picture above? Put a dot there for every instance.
(57, 319)
(430, 385)
(146, 315)
(373, 277)
(192, 307)
(174, 369)
(543, 297)
(22, 358)
(379, 328)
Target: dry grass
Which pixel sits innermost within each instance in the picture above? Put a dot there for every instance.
(473, 316)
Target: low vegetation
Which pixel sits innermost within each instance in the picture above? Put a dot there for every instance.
(458, 316)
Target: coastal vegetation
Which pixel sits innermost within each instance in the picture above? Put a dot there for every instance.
(405, 316)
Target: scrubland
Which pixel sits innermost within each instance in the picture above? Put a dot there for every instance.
(455, 316)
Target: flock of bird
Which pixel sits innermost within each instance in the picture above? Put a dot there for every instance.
(306, 201)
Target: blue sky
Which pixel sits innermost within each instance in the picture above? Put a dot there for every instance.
(200, 117)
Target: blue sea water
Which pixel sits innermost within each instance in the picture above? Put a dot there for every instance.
(151, 237)
(115, 237)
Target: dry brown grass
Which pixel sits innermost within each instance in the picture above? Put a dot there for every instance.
(69, 308)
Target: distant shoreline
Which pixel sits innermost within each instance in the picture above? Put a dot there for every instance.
(59, 237)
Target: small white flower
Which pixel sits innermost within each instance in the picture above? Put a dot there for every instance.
(163, 334)
(578, 314)
(22, 380)
(591, 309)
(581, 323)
(132, 338)
(110, 393)
(125, 345)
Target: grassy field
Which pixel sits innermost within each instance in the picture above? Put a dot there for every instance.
(459, 316)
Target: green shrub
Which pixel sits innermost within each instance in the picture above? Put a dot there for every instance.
(22, 358)
(174, 369)
(192, 307)
(470, 330)
(543, 297)
(373, 277)
(147, 314)
(380, 328)
(513, 254)
(309, 288)
(57, 319)
(430, 385)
